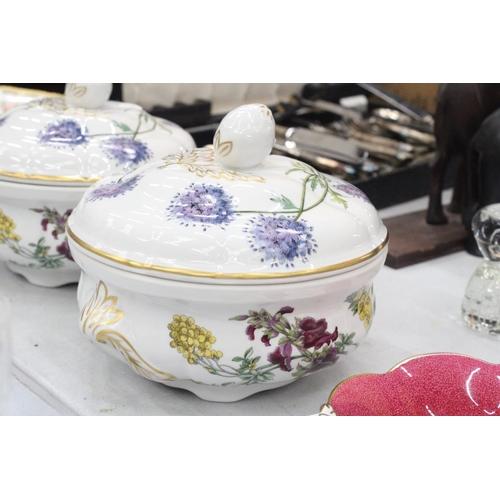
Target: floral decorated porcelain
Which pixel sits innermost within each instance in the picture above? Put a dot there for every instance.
(11, 96)
(225, 270)
(51, 151)
(441, 384)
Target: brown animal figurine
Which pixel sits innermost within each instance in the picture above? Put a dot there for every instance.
(460, 110)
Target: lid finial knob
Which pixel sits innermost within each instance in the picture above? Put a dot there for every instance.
(87, 95)
(245, 137)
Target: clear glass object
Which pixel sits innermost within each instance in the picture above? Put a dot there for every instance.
(5, 373)
(481, 302)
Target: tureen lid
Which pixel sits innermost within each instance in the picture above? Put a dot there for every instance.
(82, 137)
(230, 211)
(14, 96)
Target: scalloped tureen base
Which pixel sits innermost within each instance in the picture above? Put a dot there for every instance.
(224, 342)
(50, 278)
(217, 394)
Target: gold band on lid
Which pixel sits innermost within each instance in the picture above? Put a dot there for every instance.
(32, 93)
(215, 275)
(55, 178)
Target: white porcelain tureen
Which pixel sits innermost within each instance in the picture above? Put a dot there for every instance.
(226, 271)
(51, 151)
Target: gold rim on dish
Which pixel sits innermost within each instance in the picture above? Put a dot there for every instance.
(215, 275)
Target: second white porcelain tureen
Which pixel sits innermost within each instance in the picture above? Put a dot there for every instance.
(51, 151)
(226, 271)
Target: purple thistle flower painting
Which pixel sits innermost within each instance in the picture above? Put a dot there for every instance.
(113, 189)
(125, 150)
(281, 239)
(202, 204)
(353, 191)
(63, 133)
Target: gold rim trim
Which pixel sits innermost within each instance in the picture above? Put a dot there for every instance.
(36, 177)
(29, 92)
(238, 276)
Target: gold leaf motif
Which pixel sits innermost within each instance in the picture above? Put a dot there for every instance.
(201, 162)
(95, 318)
(222, 148)
(100, 311)
(201, 156)
(265, 109)
(77, 90)
(225, 148)
(59, 106)
(229, 175)
(132, 357)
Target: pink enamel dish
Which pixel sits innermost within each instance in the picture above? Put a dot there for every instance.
(440, 384)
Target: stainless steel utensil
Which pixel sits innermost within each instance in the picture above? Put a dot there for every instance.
(321, 163)
(408, 133)
(348, 114)
(323, 144)
(395, 116)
